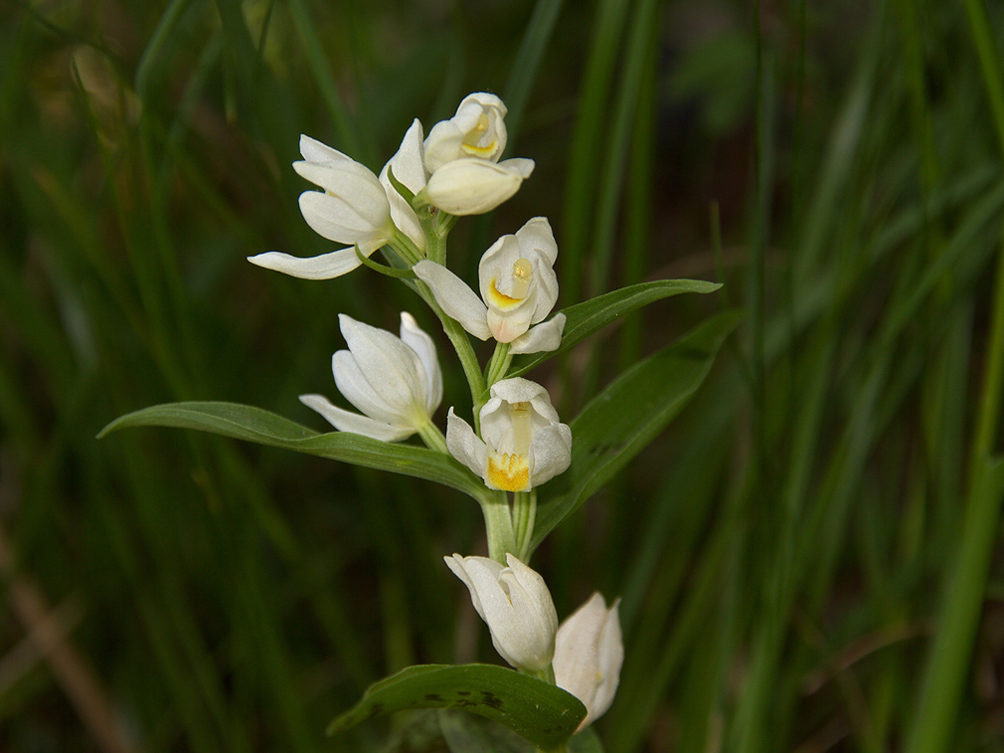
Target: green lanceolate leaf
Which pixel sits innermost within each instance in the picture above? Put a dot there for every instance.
(263, 427)
(583, 319)
(626, 416)
(544, 714)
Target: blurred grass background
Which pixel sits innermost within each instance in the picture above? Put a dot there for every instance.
(806, 558)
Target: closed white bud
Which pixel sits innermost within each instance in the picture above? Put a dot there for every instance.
(515, 604)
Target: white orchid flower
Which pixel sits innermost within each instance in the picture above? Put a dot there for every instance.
(355, 207)
(518, 290)
(394, 381)
(477, 130)
(588, 655)
(515, 604)
(523, 442)
(462, 159)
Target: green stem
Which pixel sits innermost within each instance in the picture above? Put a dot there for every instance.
(433, 437)
(406, 248)
(445, 223)
(462, 345)
(498, 526)
(499, 364)
(524, 513)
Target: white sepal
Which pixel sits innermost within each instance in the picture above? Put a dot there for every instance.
(515, 604)
(355, 423)
(464, 444)
(541, 338)
(473, 186)
(454, 297)
(409, 170)
(323, 267)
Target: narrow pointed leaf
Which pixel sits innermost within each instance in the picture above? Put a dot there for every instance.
(593, 315)
(544, 714)
(263, 427)
(625, 417)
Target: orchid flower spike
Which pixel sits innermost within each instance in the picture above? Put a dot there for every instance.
(462, 158)
(515, 604)
(588, 655)
(523, 442)
(354, 207)
(518, 290)
(394, 381)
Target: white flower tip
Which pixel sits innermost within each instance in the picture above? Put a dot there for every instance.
(521, 165)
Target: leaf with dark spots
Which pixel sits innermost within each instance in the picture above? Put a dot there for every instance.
(542, 713)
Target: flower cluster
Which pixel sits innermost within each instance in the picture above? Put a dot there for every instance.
(517, 441)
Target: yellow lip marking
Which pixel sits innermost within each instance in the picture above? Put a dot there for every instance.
(472, 142)
(522, 276)
(510, 473)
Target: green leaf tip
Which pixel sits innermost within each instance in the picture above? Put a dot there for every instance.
(542, 713)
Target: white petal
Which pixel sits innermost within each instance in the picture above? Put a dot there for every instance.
(442, 145)
(483, 577)
(473, 186)
(482, 565)
(537, 234)
(496, 264)
(464, 444)
(407, 163)
(392, 368)
(506, 326)
(332, 218)
(354, 423)
(521, 166)
(415, 338)
(589, 652)
(550, 453)
(545, 291)
(356, 198)
(351, 182)
(323, 267)
(517, 390)
(314, 151)
(455, 297)
(541, 338)
(611, 658)
(538, 603)
(356, 388)
(487, 100)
